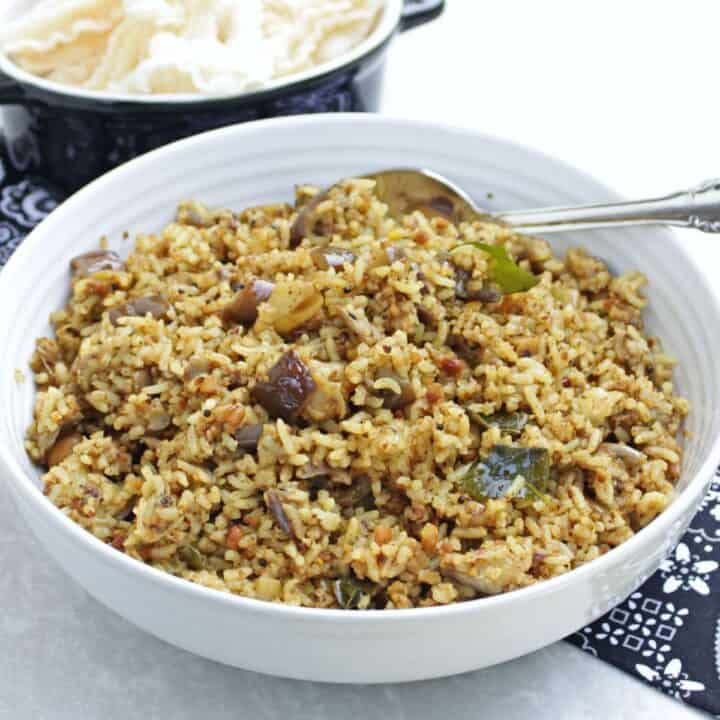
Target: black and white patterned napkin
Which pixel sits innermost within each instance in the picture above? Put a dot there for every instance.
(25, 199)
(667, 633)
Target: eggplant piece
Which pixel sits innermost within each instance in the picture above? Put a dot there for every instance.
(327, 402)
(304, 223)
(154, 305)
(287, 389)
(243, 309)
(471, 353)
(294, 305)
(393, 400)
(62, 448)
(248, 437)
(95, 261)
(358, 495)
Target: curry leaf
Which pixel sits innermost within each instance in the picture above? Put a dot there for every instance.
(349, 592)
(504, 271)
(192, 557)
(496, 476)
(511, 423)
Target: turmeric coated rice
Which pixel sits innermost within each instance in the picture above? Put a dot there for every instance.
(324, 406)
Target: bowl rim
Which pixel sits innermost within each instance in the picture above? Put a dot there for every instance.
(32, 498)
(385, 28)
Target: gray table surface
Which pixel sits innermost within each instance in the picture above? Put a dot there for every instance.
(65, 656)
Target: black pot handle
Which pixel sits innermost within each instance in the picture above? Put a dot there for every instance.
(418, 12)
(11, 91)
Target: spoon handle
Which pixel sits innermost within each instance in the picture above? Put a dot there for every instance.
(697, 208)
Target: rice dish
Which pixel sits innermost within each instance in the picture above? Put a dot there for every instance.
(326, 406)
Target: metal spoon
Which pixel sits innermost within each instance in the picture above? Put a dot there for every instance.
(405, 190)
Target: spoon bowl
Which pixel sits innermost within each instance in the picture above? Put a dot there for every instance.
(406, 190)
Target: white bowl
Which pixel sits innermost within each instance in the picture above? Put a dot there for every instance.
(260, 162)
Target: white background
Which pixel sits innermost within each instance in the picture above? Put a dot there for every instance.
(626, 90)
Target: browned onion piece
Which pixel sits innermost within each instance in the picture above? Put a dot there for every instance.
(288, 387)
(95, 261)
(243, 309)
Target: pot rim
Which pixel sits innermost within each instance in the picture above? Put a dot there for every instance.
(388, 24)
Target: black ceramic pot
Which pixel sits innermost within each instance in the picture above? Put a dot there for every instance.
(71, 136)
